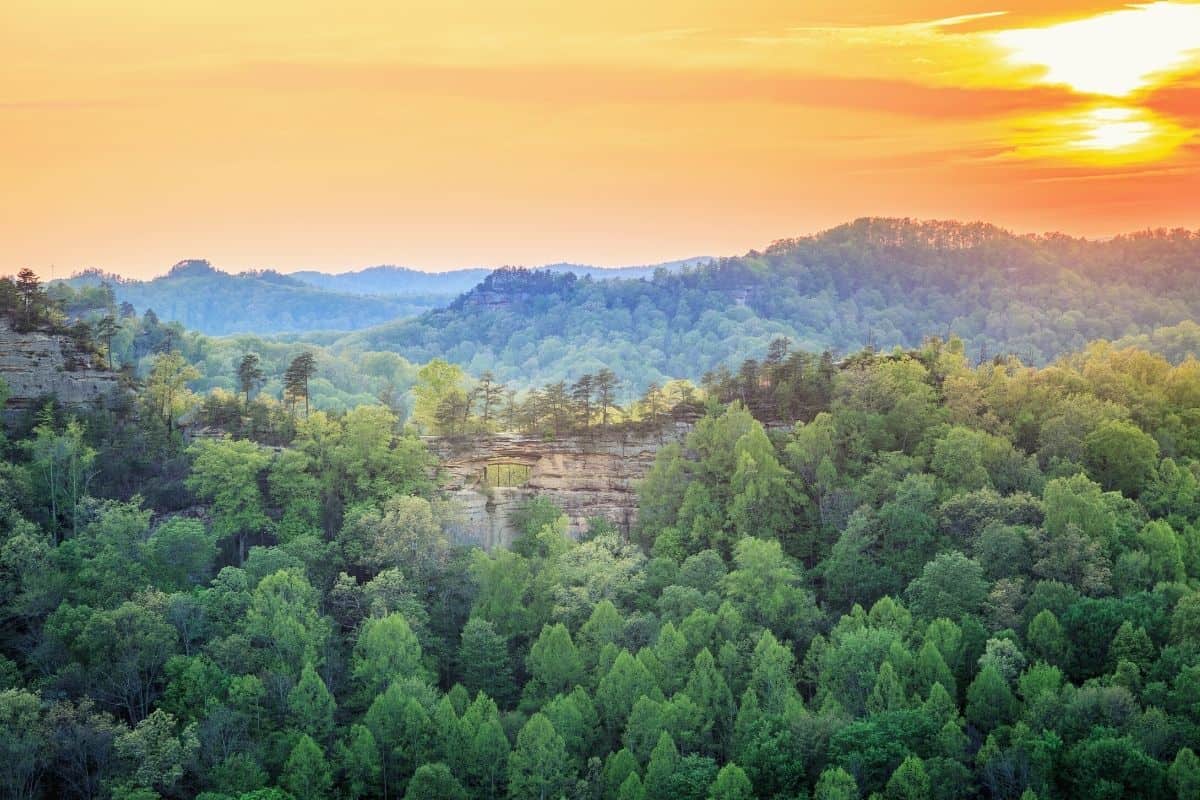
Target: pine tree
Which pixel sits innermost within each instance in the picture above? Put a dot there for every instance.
(539, 767)
(434, 782)
(359, 758)
(581, 396)
(306, 774)
(731, 784)
(989, 700)
(31, 298)
(311, 705)
(661, 769)
(835, 784)
(106, 330)
(604, 384)
(295, 379)
(250, 375)
(483, 662)
(909, 781)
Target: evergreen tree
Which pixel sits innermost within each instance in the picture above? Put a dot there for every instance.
(312, 706)
(660, 771)
(296, 378)
(306, 774)
(835, 784)
(989, 700)
(249, 375)
(539, 767)
(434, 782)
(731, 784)
(909, 781)
(483, 663)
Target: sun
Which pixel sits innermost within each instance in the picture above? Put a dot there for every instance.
(1103, 135)
(1114, 54)
(1114, 129)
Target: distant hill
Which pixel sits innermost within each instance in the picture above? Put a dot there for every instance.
(878, 282)
(204, 298)
(403, 281)
(395, 281)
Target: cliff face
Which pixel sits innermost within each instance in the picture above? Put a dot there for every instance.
(584, 476)
(35, 363)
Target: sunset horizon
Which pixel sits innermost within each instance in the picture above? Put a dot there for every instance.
(271, 136)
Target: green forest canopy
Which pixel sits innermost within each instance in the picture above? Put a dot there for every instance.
(938, 580)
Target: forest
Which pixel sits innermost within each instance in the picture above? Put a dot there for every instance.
(876, 283)
(197, 295)
(907, 573)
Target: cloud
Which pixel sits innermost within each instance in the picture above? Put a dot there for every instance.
(570, 86)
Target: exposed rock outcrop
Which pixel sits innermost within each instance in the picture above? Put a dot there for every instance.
(35, 364)
(584, 476)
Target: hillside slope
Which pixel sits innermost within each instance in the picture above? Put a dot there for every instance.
(880, 282)
(206, 299)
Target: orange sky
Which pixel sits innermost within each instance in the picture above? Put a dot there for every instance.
(337, 135)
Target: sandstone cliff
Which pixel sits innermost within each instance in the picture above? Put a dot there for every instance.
(584, 476)
(35, 364)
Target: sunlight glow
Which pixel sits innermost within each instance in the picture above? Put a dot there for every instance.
(1114, 54)
(1114, 129)
(1101, 135)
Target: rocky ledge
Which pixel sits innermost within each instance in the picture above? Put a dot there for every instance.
(585, 476)
(36, 364)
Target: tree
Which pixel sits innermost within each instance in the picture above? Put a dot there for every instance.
(768, 586)
(835, 784)
(1184, 774)
(166, 390)
(180, 553)
(226, 472)
(434, 782)
(107, 329)
(909, 781)
(24, 744)
(31, 298)
(764, 504)
(539, 767)
(660, 772)
(1121, 457)
(490, 395)
(731, 784)
(931, 668)
(296, 378)
(306, 774)
(950, 586)
(989, 700)
(1047, 638)
(631, 788)
(604, 384)
(360, 764)
(123, 651)
(436, 381)
(282, 620)
(387, 650)
(312, 705)
(488, 764)
(64, 466)
(156, 752)
(554, 665)
(625, 682)
(249, 374)
(483, 662)
(406, 531)
(709, 691)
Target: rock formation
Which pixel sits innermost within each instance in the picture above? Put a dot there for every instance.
(36, 364)
(585, 476)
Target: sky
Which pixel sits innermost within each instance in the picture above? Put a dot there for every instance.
(342, 134)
